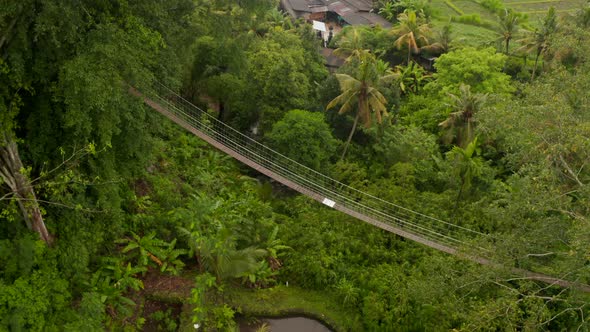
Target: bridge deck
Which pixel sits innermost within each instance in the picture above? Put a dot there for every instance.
(167, 108)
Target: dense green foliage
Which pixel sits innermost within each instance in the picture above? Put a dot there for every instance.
(304, 136)
(99, 195)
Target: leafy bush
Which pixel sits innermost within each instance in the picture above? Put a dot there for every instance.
(472, 19)
(304, 136)
(112, 281)
(348, 292)
(166, 321)
(34, 296)
(494, 6)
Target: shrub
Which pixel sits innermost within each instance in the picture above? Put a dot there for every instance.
(304, 136)
(494, 6)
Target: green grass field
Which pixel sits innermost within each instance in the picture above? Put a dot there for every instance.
(474, 35)
(536, 9)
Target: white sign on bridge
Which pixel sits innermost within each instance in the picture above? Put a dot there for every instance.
(329, 202)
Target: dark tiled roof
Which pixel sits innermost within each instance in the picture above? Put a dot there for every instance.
(360, 5)
(345, 5)
(299, 5)
(354, 12)
(364, 18)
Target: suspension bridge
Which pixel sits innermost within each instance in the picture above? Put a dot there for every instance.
(424, 229)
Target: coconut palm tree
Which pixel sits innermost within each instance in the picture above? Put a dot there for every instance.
(538, 41)
(411, 33)
(444, 38)
(351, 45)
(467, 166)
(361, 91)
(507, 27)
(461, 121)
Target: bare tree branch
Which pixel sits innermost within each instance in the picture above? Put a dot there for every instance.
(569, 170)
(6, 35)
(540, 255)
(563, 312)
(75, 154)
(59, 204)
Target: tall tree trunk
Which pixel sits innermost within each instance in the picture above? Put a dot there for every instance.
(458, 199)
(468, 135)
(356, 120)
(10, 170)
(507, 45)
(221, 114)
(7, 34)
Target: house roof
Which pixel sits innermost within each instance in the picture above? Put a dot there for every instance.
(354, 12)
(300, 5)
(360, 5)
(341, 8)
(365, 18)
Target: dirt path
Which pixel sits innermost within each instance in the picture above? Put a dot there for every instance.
(167, 287)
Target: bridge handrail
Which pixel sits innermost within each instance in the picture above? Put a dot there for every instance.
(427, 226)
(430, 231)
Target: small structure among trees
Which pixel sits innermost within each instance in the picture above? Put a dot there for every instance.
(357, 12)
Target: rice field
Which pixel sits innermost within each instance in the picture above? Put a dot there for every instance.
(471, 33)
(538, 8)
(533, 8)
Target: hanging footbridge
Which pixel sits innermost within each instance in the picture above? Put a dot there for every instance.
(424, 229)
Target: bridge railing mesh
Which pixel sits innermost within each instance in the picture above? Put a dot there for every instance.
(424, 226)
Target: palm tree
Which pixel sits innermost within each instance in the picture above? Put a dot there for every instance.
(362, 91)
(411, 33)
(467, 166)
(278, 18)
(388, 11)
(351, 45)
(445, 37)
(443, 43)
(461, 122)
(538, 41)
(507, 27)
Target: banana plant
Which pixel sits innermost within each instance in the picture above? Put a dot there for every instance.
(273, 246)
(262, 277)
(170, 261)
(149, 249)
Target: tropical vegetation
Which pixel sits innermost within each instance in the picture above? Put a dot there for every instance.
(112, 217)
